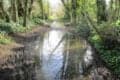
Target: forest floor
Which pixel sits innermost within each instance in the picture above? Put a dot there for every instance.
(20, 39)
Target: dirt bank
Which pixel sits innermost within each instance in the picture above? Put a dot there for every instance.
(20, 41)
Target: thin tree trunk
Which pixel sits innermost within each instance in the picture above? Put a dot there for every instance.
(74, 10)
(20, 5)
(25, 13)
(14, 10)
(30, 8)
(42, 8)
(67, 10)
(5, 14)
(101, 11)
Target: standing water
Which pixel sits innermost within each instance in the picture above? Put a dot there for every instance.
(57, 55)
(62, 55)
(52, 61)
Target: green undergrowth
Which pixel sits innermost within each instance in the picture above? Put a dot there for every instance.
(16, 27)
(110, 56)
(37, 20)
(83, 30)
(109, 50)
(13, 27)
(109, 46)
(5, 39)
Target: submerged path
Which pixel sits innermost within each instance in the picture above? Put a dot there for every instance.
(53, 55)
(61, 56)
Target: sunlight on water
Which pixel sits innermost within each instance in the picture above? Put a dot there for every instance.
(50, 42)
(55, 59)
(88, 58)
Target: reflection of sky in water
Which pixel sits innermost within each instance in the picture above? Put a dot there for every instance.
(52, 60)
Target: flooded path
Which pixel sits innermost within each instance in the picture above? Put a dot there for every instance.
(57, 55)
(61, 55)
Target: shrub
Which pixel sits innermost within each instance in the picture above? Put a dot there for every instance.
(37, 20)
(5, 27)
(19, 28)
(13, 27)
(83, 30)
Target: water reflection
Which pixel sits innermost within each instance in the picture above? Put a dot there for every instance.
(56, 56)
(52, 61)
(19, 66)
(72, 59)
(63, 63)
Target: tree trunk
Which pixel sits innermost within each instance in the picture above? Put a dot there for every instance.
(25, 12)
(67, 10)
(74, 10)
(20, 5)
(5, 14)
(14, 10)
(42, 8)
(101, 11)
(30, 8)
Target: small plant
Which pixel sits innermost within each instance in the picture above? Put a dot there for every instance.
(37, 20)
(117, 23)
(13, 27)
(4, 39)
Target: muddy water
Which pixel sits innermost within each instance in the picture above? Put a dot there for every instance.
(58, 55)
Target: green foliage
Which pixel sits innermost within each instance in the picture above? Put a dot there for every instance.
(83, 30)
(13, 27)
(19, 28)
(95, 39)
(4, 39)
(117, 23)
(37, 20)
(110, 56)
(109, 31)
(5, 27)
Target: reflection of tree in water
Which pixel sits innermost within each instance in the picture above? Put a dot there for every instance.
(20, 66)
(72, 68)
(71, 62)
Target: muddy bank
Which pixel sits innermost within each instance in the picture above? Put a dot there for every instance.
(27, 37)
(18, 58)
